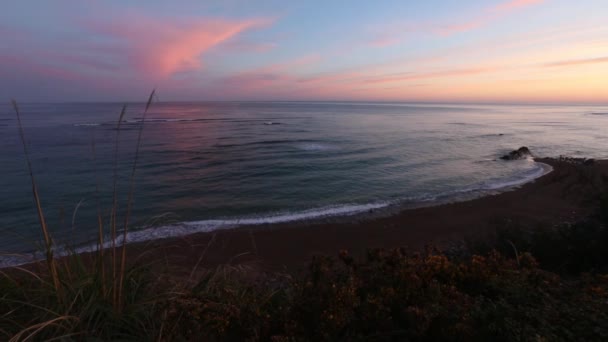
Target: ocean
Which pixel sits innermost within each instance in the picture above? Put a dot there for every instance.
(216, 165)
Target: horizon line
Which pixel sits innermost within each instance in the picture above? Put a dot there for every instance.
(494, 103)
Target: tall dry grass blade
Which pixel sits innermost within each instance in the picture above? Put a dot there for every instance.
(115, 203)
(34, 306)
(82, 200)
(7, 277)
(66, 337)
(254, 245)
(45, 232)
(34, 275)
(100, 232)
(130, 199)
(200, 259)
(39, 327)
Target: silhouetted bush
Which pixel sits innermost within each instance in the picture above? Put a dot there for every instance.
(393, 295)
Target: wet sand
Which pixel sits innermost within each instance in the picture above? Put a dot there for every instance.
(565, 194)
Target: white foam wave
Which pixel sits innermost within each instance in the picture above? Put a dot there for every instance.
(315, 147)
(542, 170)
(489, 186)
(187, 228)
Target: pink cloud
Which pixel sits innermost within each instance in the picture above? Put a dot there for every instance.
(27, 66)
(384, 41)
(123, 55)
(248, 80)
(338, 77)
(165, 47)
(484, 17)
(487, 16)
(578, 62)
(373, 74)
(298, 62)
(434, 74)
(282, 73)
(515, 4)
(232, 46)
(89, 61)
(450, 29)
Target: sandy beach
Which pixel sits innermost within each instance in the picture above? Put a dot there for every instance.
(560, 196)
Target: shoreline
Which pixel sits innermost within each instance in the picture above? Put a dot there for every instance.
(346, 213)
(292, 243)
(555, 197)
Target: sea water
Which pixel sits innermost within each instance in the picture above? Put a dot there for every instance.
(216, 165)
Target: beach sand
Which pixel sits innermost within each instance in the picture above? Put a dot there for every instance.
(565, 194)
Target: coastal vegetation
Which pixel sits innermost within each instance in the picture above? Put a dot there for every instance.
(393, 294)
(524, 284)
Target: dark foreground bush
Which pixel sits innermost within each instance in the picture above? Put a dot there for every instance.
(389, 296)
(393, 296)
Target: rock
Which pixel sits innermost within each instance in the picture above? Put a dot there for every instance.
(520, 153)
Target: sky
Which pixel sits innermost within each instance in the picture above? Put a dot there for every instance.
(481, 51)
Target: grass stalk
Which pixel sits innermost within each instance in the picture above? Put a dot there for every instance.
(100, 230)
(77, 297)
(45, 232)
(115, 202)
(36, 328)
(130, 200)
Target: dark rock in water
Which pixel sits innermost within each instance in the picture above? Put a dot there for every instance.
(520, 153)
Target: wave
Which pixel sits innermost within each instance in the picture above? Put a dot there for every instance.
(301, 144)
(542, 170)
(92, 124)
(192, 227)
(188, 228)
(269, 142)
(315, 147)
(265, 121)
(466, 124)
(599, 113)
(492, 135)
(484, 188)
(161, 120)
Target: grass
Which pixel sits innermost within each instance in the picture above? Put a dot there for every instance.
(123, 259)
(45, 231)
(75, 296)
(526, 285)
(391, 295)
